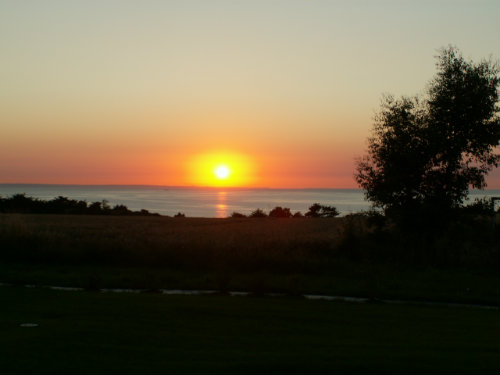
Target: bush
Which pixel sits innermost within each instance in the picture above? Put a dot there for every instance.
(237, 215)
(482, 206)
(258, 213)
(319, 210)
(280, 212)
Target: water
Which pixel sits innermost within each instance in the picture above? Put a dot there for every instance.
(205, 202)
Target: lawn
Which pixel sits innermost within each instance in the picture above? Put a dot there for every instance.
(95, 333)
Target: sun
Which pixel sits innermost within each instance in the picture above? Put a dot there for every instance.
(221, 169)
(222, 172)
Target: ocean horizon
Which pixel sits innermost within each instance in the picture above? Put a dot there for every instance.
(211, 202)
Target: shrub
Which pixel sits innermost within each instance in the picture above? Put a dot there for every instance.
(258, 213)
(280, 212)
(319, 210)
(237, 215)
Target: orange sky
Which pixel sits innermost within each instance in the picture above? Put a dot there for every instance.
(121, 92)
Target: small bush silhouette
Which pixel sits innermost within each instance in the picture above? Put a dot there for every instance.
(237, 215)
(280, 212)
(482, 206)
(319, 210)
(120, 209)
(258, 213)
(179, 214)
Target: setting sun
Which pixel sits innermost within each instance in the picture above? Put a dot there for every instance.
(222, 172)
(220, 169)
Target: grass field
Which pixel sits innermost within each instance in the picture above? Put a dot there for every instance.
(95, 333)
(292, 256)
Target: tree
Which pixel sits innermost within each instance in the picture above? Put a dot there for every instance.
(319, 210)
(329, 211)
(121, 209)
(280, 212)
(258, 213)
(427, 152)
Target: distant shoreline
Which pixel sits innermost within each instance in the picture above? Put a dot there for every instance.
(207, 201)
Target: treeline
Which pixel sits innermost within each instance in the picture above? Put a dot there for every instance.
(316, 210)
(20, 203)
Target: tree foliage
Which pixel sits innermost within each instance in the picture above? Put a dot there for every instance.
(427, 152)
(280, 212)
(319, 210)
(20, 203)
(258, 213)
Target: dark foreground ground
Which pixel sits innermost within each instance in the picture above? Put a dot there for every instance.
(96, 333)
(91, 332)
(291, 256)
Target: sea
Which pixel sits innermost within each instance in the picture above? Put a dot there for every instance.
(206, 202)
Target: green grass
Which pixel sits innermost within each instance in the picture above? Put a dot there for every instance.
(345, 279)
(90, 333)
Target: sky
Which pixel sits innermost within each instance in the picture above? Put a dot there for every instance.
(282, 93)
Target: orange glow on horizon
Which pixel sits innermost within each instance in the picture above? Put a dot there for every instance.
(221, 169)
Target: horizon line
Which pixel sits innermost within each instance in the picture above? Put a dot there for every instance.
(182, 186)
(200, 187)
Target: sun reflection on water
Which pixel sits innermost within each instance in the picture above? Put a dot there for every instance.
(221, 207)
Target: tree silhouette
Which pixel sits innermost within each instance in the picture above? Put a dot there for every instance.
(319, 210)
(258, 213)
(20, 203)
(237, 215)
(426, 153)
(280, 212)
